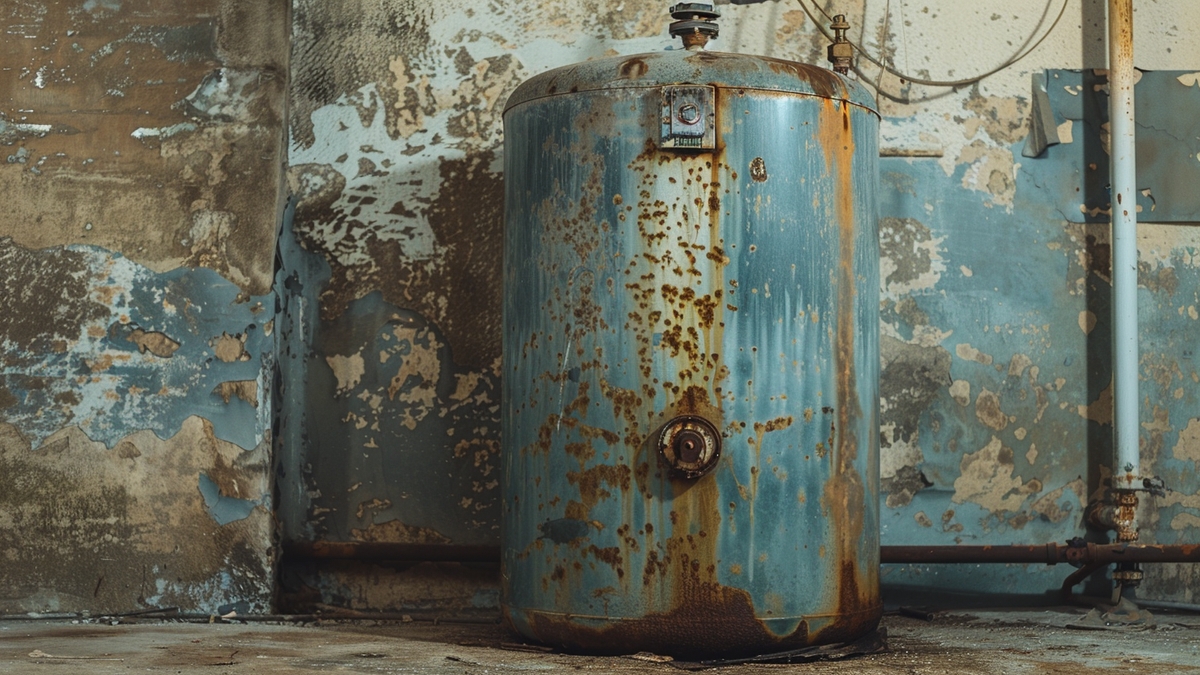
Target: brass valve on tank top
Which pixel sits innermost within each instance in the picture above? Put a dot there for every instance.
(841, 52)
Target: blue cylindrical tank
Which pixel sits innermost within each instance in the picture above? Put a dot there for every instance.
(690, 356)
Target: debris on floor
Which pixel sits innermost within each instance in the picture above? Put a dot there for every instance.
(1125, 615)
(981, 642)
(871, 643)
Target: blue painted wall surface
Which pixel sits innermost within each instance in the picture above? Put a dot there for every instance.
(382, 437)
(1005, 341)
(144, 147)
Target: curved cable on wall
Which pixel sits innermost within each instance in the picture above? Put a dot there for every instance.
(937, 83)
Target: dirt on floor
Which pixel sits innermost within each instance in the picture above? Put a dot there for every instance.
(984, 642)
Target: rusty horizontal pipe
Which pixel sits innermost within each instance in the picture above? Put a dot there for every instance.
(1049, 554)
(359, 550)
(1043, 553)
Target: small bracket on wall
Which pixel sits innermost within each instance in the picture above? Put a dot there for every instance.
(689, 118)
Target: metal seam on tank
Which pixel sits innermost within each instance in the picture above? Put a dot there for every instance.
(715, 85)
(682, 67)
(602, 617)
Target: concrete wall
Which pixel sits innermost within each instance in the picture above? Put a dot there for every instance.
(144, 146)
(148, 334)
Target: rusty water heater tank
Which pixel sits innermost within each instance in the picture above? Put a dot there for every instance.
(690, 356)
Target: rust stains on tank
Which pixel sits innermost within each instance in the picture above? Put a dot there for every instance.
(579, 406)
(609, 555)
(626, 402)
(758, 170)
(591, 485)
(582, 452)
(556, 421)
(713, 620)
(632, 68)
(824, 83)
(776, 424)
(694, 400)
(844, 492)
(676, 281)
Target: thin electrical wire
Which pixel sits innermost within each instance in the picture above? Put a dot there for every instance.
(938, 83)
(883, 39)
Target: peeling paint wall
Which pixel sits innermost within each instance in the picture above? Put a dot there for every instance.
(144, 147)
(997, 405)
(996, 400)
(391, 374)
(143, 312)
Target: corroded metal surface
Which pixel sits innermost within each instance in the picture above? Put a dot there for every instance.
(1076, 552)
(737, 285)
(656, 69)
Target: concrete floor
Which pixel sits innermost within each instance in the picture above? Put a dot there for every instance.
(985, 642)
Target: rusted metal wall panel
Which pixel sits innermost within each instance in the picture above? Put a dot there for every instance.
(144, 153)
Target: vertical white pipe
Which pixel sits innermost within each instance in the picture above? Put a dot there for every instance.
(1124, 244)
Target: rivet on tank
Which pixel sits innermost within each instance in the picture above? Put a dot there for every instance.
(690, 353)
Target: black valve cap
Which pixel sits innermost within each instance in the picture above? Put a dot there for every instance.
(694, 10)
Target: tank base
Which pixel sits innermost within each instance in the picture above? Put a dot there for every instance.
(689, 635)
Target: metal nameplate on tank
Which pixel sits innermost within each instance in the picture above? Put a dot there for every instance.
(689, 117)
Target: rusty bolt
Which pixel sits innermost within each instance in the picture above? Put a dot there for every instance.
(841, 52)
(689, 113)
(688, 445)
(1128, 575)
